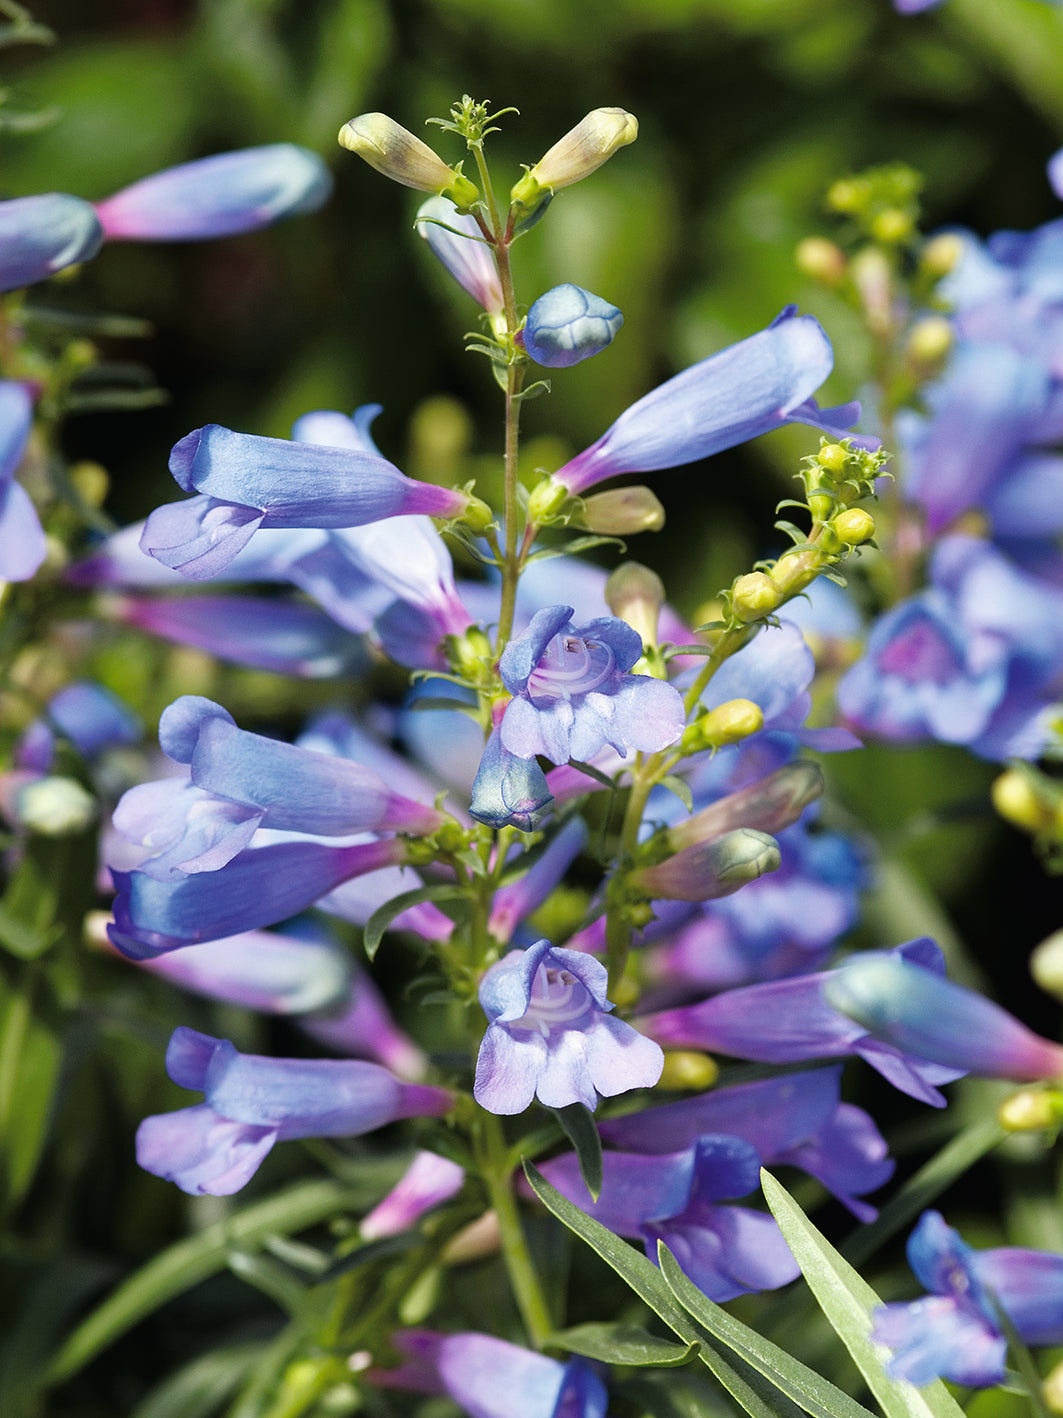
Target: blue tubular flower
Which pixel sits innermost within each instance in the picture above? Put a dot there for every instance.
(954, 1332)
(787, 1021)
(490, 1378)
(918, 1012)
(465, 255)
(573, 694)
(22, 545)
(239, 782)
(88, 716)
(725, 1250)
(741, 392)
(568, 324)
(218, 196)
(285, 637)
(43, 234)
(259, 887)
(245, 482)
(551, 1035)
(427, 1181)
(508, 791)
(252, 1102)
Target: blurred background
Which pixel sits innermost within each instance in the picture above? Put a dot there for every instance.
(749, 109)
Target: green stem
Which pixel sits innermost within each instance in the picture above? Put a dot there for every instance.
(527, 1291)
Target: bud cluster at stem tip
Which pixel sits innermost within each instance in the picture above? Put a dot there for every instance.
(396, 152)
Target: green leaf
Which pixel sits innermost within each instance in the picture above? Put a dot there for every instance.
(680, 1393)
(757, 1397)
(30, 1059)
(270, 1278)
(847, 1301)
(200, 1388)
(680, 788)
(623, 1344)
(191, 1261)
(592, 772)
(383, 916)
(815, 1394)
(576, 546)
(578, 1123)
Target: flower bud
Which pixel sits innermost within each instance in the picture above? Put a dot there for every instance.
(821, 259)
(731, 722)
(397, 153)
(754, 596)
(688, 1069)
(622, 511)
(892, 226)
(853, 526)
(580, 152)
(568, 324)
(941, 253)
(929, 342)
(43, 234)
(1052, 1390)
(546, 500)
(55, 807)
(768, 805)
(711, 869)
(636, 594)
(1046, 964)
(1018, 802)
(833, 457)
(1030, 1110)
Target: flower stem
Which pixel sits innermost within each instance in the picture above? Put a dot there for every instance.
(520, 1267)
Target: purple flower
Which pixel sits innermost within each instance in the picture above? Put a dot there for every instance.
(427, 1181)
(490, 1378)
(239, 782)
(551, 1035)
(457, 241)
(954, 1332)
(246, 482)
(919, 1012)
(568, 324)
(218, 196)
(517, 899)
(22, 545)
(508, 791)
(88, 716)
(725, 1250)
(787, 1021)
(743, 391)
(252, 1101)
(1055, 172)
(43, 234)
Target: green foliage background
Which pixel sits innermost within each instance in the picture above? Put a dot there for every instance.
(748, 110)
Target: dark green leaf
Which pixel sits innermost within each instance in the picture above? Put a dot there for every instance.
(592, 772)
(383, 916)
(623, 1344)
(200, 1388)
(576, 546)
(578, 1123)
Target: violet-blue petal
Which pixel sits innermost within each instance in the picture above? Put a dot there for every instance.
(737, 394)
(218, 196)
(1029, 1286)
(508, 791)
(521, 656)
(200, 536)
(567, 325)
(458, 243)
(202, 1153)
(184, 828)
(727, 1250)
(428, 1181)
(937, 1337)
(1055, 173)
(42, 234)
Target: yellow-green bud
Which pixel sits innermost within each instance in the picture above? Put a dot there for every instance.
(873, 278)
(580, 152)
(91, 482)
(848, 194)
(686, 1069)
(821, 259)
(547, 500)
(477, 513)
(731, 722)
(622, 511)
(399, 154)
(1029, 1110)
(930, 341)
(636, 594)
(941, 253)
(55, 807)
(853, 526)
(470, 652)
(833, 457)
(754, 596)
(892, 225)
(1046, 964)
(1015, 798)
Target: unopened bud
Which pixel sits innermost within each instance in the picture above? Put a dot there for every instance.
(768, 805)
(469, 653)
(635, 594)
(55, 807)
(688, 1070)
(1016, 799)
(872, 276)
(892, 226)
(941, 253)
(821, 259)
(754, 596)
(853, 527)
(930, 341)
(1030, 1110)
(621, 511)
(833, 457)
(396, 152)
(580, 152)
(712, 869)
(731, 722)
(1046, 964)
(477, 513)
(547, 500)
(567, 325)
(91, 482)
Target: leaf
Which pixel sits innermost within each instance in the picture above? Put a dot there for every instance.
(815, 1394)
(200, 1388)
(383, 916)
(193, 1260)
(577, 545)
(847, 1301)
(623, 1344)
(592, 772)
(270, 1278)
(680, 788)
(578, 1123)
(759, 1398)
